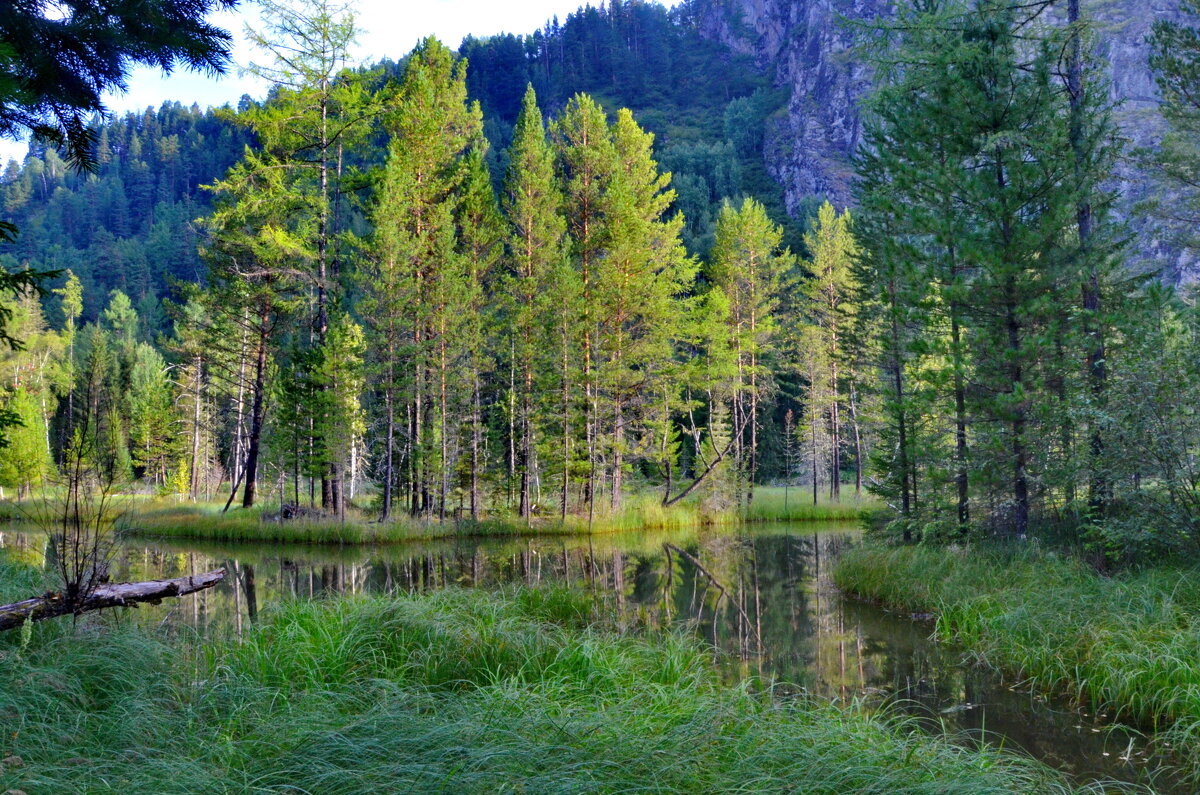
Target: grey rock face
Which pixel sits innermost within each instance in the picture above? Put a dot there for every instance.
(808, 46)
(807, 43)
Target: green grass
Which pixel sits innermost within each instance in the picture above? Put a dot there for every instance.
(643, 512)
(795, 504)
(1128, 645)
(457, 691)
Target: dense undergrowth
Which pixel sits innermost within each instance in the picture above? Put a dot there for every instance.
(1129, 644)
(644, 512)
(455, 691)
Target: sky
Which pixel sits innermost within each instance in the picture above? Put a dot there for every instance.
(390, 28)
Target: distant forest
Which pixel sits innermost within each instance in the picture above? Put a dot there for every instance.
(130, 226)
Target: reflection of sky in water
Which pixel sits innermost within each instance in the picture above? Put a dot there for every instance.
(764, 597)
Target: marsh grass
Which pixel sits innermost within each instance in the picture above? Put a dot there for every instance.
(795, 504)
(455, 691)
(1128, 645)
(643, 512)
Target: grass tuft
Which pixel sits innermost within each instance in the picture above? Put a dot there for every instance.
(458, 691)
(1128, 645)
(642, 512)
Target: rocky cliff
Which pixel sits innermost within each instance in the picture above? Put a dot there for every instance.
(807, 44)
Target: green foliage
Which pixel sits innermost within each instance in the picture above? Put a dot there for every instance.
(479, 691)
(1127, 644)
(989, 245)
(25, 460)
(53, 87)
(1175, 61)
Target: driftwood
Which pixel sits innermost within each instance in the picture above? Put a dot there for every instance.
(126, 594)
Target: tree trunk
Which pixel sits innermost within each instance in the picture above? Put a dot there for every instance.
(389, 399)
(258, 409)
(1099, 488)
(858, 454)
(566, 420)
(115, 595)
(195, 484)
(476, 432)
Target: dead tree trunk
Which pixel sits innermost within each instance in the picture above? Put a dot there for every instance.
(127, 594)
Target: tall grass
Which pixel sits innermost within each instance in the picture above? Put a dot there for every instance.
(795, 504)
(458, 691)
(641, 512)
(1129, 644)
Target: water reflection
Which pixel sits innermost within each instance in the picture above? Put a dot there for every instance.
(763, 596)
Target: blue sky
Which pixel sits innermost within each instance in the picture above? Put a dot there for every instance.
(390, 28)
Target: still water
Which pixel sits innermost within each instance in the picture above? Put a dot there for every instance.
(763, 596)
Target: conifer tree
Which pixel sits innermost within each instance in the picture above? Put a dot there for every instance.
(586, 164)
(749, 267)
(639, 286)
(25, 459)
(531, 204)
(831, 290)
(433, 130)
(316, 110)
(481, 229)
(338, 381)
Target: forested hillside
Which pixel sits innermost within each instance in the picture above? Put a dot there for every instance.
(130, 226)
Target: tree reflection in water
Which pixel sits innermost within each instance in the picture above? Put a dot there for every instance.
(764, 597)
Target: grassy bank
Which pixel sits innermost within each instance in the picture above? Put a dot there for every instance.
(643, 512)
(456, 691)
(795, 504)
(1129, 644)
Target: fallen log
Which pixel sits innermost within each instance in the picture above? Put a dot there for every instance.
(126, 594)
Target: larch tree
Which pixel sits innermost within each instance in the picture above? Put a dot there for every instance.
(586, 164)
(316, 109)
(639, 286)
(433, 131)
(25, 459)
(481, 232)
(832, 291)
(749, 265)
(531, 203)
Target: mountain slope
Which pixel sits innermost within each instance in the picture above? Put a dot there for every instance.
(807, 46)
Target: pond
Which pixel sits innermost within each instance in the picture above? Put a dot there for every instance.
(762, 595)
